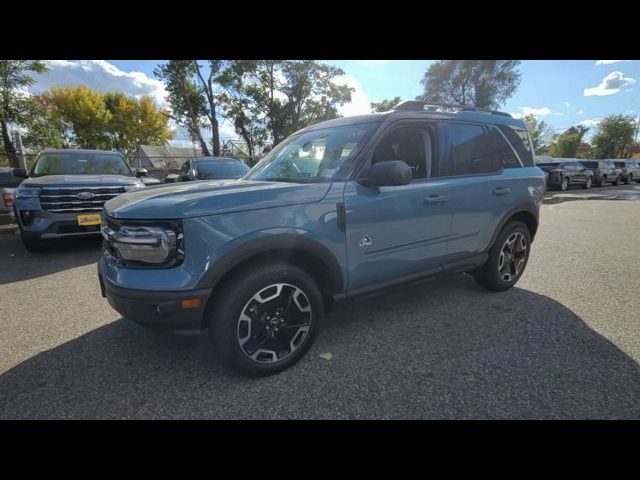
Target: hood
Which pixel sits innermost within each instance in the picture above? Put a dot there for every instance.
(549, 168)
(79, 181)
(195, 199)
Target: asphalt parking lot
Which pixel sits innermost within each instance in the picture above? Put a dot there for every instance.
(565, 343)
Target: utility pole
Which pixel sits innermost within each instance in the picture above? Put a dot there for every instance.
(17, 140)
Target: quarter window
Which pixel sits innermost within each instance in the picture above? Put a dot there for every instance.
(505, 155)
(519, 140)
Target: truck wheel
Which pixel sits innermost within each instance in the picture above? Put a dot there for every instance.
(603, 181)
(507, 258)
(629, 179)
(588, 182)
(265, 319)
(565, 184)
(616, 182)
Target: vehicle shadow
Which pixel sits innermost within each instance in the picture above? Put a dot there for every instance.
(17, 264)
(442, 349)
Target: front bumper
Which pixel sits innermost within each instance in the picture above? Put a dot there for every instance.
(45, 225)
(158, 309)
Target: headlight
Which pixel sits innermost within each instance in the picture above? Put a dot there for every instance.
(144, 245)
(27, 192)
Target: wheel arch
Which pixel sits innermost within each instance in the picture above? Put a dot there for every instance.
(310, 256)
(525, 213)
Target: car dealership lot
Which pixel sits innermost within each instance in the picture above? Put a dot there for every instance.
(564, 343)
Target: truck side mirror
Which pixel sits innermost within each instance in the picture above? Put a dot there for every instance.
(19, 173)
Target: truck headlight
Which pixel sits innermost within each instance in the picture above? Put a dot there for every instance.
(140, 245)
(27, 192)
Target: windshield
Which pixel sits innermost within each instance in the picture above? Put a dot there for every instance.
(314, 156)
(81, 163)
(619, 164)
(220, 169)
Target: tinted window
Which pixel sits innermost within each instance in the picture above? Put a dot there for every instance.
(469, 151)
(80, 163)
(220, 169)
(406, 144)
(619, 164)
(519, 139)
(505, 155)
(590, 165)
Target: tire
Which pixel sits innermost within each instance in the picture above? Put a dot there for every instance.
(603, 181)
(237, 312)
(489, 275)
(629, 179)
(588, 183)
(564, 184)
(33, 246)
(616, 182)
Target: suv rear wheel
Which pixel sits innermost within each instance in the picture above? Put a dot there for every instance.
(507, 258)
(588, 182)
(265, 320)
(564, 184)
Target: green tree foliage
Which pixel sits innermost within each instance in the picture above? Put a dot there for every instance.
(480, 83)
(189, 98)
(385, 105)
(541, 133)
(15, 76)
(45, 127)
(613, 136)
(282, 96)
(566, 144)
(107, 121)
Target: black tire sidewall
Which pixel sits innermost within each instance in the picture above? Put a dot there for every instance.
(488, 275)
(223, 317)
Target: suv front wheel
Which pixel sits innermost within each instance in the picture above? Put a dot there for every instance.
(265, 319)
(507, 258)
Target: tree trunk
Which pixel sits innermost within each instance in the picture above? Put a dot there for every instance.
(205, 148)
(215, 137)
(9, 148)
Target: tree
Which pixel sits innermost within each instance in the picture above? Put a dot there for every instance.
(134, 122)
(479, 83)
(45, 127)
(215, 98)
(541, 133)
(566, 144)
(85, 115)
(284, 96)
(188, 104)
(385, 105)
(15, 76)
(613, 135)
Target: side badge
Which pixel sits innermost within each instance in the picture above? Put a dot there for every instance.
(365, 242)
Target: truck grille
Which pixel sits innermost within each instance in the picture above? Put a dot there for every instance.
(70, 199)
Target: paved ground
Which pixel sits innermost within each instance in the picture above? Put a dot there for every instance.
(565, 343)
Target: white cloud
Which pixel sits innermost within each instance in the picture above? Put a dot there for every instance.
(609, 85)
(567, 104)
(579, 112)
(609, 62)
(360, 103)
(538, 112)
(592, 122)
(102, 76)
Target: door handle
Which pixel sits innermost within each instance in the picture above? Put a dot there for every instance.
(435, 199)
(501, 191)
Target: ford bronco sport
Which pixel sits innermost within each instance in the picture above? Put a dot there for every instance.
(64, 192)
(337, 209)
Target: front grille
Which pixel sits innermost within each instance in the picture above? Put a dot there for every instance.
(66, 200)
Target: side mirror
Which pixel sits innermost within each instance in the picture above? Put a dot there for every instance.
(171, 178)
(19, 173)
(141, 172)
(388, 173)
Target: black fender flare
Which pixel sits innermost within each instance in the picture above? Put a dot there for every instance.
(521, 207)
(285, 241)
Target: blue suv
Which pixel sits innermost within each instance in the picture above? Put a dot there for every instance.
(338, 209)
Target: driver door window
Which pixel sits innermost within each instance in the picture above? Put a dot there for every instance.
(411, 145)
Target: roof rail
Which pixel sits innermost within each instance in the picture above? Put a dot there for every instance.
(421, 106)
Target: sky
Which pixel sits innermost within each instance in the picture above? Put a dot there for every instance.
(560, 92)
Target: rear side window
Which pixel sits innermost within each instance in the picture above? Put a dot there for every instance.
(469, 151)
(519, 140)
(505, 156)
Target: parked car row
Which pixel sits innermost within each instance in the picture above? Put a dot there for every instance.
(562, 172)
(8, 183)
(208, 168)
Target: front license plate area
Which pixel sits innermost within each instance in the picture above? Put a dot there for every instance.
(88, 219)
